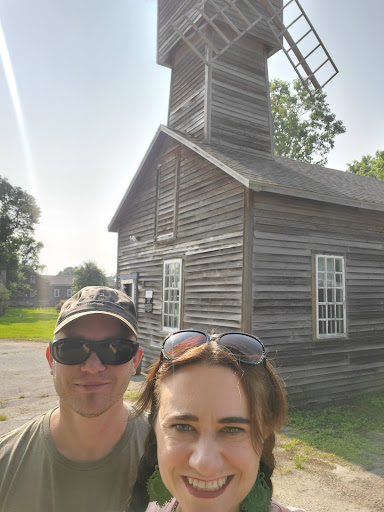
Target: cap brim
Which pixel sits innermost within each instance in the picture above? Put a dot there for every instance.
(85, 313)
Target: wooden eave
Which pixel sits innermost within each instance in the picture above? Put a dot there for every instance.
(272, 175)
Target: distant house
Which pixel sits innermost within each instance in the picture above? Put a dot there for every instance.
(60, 288)
(216, 232)
(45, 291)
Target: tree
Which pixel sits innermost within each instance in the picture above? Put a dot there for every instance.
(89, 274)
(68, 271)
(304, 127)
(369, 166)
(18, 248)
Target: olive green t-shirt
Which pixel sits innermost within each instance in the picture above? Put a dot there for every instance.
(36, 477)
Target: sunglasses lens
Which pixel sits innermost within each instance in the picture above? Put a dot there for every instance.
(115, 352)
(70, 351)
(179, 342)
(110, 352)
(248, 349)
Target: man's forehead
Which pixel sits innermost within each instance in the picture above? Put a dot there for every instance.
(93, 322)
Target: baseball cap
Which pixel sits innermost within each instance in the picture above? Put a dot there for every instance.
(99, 300)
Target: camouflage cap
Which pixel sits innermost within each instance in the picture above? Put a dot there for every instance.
(98, 300)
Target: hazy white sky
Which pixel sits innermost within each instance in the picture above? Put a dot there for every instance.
(90, 98)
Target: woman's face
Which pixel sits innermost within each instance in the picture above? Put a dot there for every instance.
(204, 447)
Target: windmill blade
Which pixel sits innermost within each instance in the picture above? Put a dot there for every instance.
(303, 47)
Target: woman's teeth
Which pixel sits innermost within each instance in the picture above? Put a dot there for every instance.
(212, 485)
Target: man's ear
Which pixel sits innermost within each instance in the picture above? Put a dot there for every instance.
(136, 360)
(49, 358)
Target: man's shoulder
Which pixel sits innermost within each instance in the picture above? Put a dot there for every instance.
(19, 436)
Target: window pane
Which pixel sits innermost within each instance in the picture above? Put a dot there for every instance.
(321, 295)
(339, 279)
(338, 265)
(330, 265)
(322, 328)
(321, 264)
(339, 295)
(330, 295)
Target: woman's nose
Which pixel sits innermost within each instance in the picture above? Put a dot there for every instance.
(206, 457)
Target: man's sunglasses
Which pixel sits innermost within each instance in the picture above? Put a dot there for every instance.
(245, 347)
(112, 351)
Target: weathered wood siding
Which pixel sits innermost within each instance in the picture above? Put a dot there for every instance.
(170, 10)
(239, 98)
(287, 234)
(188, 90)
(209, 240)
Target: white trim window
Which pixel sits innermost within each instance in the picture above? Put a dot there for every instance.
(56, 293)
(330, 296)
(172, 273)
(69, 292)
(32, 279)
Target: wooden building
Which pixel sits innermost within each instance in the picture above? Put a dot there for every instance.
(215, 232)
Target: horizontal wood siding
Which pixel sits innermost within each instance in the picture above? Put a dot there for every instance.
(170, 10)
(240, 116)
(186, 107)
(287, 234)
(209, 241)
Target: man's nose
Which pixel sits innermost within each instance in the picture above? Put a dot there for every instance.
(93, 364)
(206, 457)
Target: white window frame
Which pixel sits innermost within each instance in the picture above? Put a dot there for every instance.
(69, 293)
(169, 298)
(32, 279)
(56, 293)
(331, 318)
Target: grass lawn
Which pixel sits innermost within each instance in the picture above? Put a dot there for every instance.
(27, 323)
(353, 431)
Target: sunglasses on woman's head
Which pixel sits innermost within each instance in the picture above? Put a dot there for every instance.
(244, 347)
(111, 351)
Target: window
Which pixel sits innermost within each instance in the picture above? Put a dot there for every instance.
(330, 296)
(172, 294)
(32, 279)
(166, 203)
(69, 292)
(56, 292)
(128, 284)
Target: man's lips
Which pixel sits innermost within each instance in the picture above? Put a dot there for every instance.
(91, 386)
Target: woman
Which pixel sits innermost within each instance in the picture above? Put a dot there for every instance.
(215, 404)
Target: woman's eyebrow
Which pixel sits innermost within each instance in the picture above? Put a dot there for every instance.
(183, 417)
(235, 419)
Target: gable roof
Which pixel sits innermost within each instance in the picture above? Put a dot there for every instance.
(277, 175)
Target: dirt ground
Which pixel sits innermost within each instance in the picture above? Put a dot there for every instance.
(326, 484)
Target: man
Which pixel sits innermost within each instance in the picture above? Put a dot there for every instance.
(82, 456)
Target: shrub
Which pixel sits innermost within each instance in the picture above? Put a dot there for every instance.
(60, 305)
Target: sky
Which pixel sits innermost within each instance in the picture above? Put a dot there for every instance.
(81, 98)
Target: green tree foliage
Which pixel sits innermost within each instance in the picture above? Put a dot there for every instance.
(89, 274)
(68, 271)
(372, 166)
(304, 127)
(18, 215)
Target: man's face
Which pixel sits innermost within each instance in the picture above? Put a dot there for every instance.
(91, 388)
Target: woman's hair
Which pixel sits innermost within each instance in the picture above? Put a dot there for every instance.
(262, 386)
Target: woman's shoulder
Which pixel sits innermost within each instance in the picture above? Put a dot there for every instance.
(275, 507)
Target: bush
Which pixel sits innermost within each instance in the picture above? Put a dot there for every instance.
(60, 305)
(4, 299)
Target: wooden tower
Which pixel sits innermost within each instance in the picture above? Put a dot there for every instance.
(218, 51)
